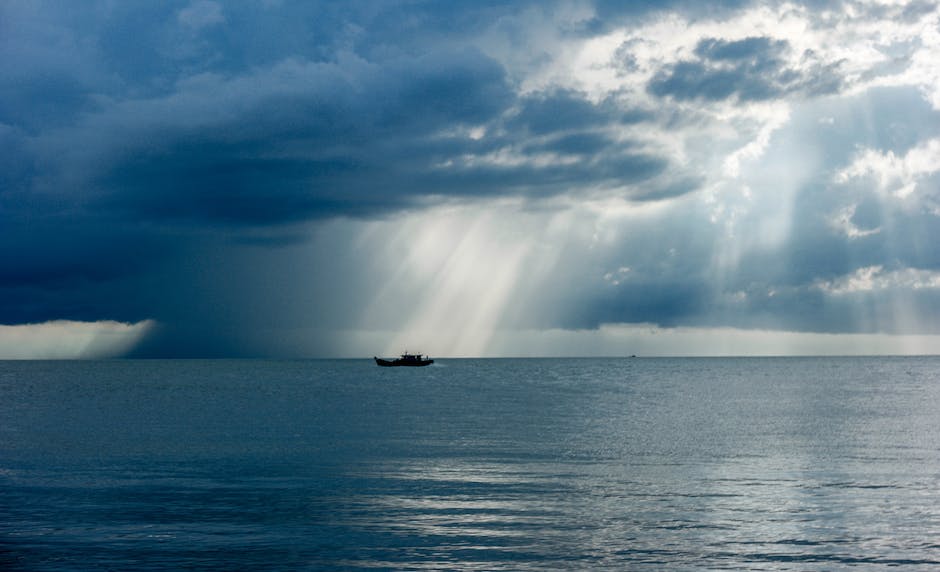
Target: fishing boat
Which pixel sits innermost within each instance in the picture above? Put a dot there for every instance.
(406, 359)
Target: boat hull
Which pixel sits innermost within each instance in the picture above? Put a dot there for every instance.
(402, 363)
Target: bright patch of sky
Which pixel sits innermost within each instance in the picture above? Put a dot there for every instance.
(69, 340)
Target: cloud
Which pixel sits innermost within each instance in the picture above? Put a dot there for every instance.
(856, 223)
(565, 111)
(750, 69)
(257, 177)
(875, 278)
(647, 340)
(304, 140)
(899, 176)
(70, 340)
(200, 14)
(298, 141)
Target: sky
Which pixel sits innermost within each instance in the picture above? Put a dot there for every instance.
(347, 179)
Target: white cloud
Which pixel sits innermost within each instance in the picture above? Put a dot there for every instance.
(875, 278)
(843, 222)
(63, 339)
(616, 278)
(895, 175)
(772, 117)
(865, 44)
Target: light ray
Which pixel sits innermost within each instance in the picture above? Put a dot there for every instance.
(463, 268)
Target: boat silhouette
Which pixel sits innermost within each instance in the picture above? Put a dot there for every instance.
(406, 359)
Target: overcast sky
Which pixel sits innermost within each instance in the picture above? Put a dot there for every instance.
(469, 178)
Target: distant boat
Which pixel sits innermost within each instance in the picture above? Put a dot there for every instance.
(414, 360)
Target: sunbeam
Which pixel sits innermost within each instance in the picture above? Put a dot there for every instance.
(450, 276)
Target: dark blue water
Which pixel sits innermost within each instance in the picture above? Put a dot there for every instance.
(658, 464)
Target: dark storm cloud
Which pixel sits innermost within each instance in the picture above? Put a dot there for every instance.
(559, 112)
(304, 140)
(758, 51)
(567, 124)
(565, 110)
(146, 147)
(752, 69)
(299, 141)
(83, 269)
(178, 161)
(611, 13)
(577, 144)
(162, 111)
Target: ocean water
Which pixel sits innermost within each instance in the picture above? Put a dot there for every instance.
(627, 464)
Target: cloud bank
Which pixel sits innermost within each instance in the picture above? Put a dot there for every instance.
(70, 340)
(317, 179)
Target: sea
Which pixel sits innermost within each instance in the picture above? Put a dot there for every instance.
(823, 463)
